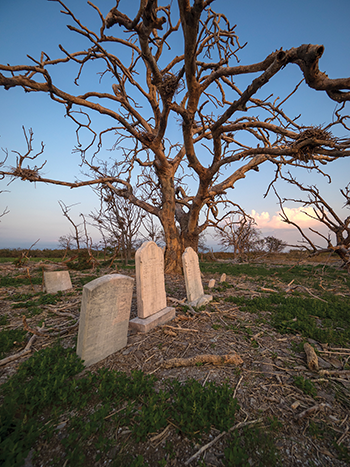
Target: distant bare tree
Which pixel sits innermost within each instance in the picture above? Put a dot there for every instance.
(5, 211)
(118, 221)
(273, 244)
(338, 238)
(77, 234)
(240, 235)
(66, 241)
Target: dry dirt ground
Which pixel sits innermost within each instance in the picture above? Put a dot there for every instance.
(263, 383)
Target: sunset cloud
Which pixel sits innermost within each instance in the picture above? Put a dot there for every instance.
(297, 215)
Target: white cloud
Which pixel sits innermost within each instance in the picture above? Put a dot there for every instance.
(298, 215)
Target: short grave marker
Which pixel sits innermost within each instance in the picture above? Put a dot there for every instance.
(193, 281)
(56, 281)
(223, 277)
(104, 317)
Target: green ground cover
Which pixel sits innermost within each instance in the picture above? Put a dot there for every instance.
(45, 403)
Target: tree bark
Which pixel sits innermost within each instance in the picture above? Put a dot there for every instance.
(173, 249)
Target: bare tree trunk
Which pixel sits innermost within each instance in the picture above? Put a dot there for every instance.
(174, 248)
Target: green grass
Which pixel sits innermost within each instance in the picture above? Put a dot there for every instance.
(32, 302)
(306, 275)
(305, 385)
(4, 320)
(318, 430)
(44, 392)
(9, 281)
(31, 260)
(253, 446)
(10, 338)
(326, 322)
(42, 299)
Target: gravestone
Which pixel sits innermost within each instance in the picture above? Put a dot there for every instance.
(223, 277)
(193, 281)
(55, 281)
(104, 317)
(152, 308)
(211, 283)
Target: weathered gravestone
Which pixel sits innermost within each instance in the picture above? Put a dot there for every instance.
(223, 277)
(193, 281)
(211, 283)
(55, 281)
(104, 317)
(152, 308)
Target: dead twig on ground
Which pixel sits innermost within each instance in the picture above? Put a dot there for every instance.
(180, 329)
(33, 331)
(182, 302)
(206, 446)
(228, 359)
(311, 357)
(311, 410)
(22, 353)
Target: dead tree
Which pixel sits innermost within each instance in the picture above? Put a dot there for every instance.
(338, 239)
(118, 221)
(273, 244)
(203, 88)
(5, 211)
(77, 236)
(240, 235)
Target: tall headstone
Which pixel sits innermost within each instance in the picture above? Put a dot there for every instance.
(193, 281)
(56, 281)
(104, 317)
(152, 308)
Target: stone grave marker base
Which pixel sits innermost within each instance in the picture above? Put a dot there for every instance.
(203, 300)
(146, 324)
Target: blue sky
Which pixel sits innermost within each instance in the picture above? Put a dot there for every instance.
(29, 27)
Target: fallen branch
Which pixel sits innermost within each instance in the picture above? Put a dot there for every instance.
(25, 351)
(160, 435)
(206, 446)
(182, 302)
(199, 359)
(334, 372)
(311, 410)
(311, 357)
(33, 331)
(345, 352)
(343, 436)
(62, 313)
(310, 293)
(236, 388)
(180, 329)
(264, 289)
(47, 332)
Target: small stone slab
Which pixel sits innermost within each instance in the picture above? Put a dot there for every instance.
(56, 281)
(146, 324)
(211, 283)
(104, 317)
(223, 277)
(193, 281)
